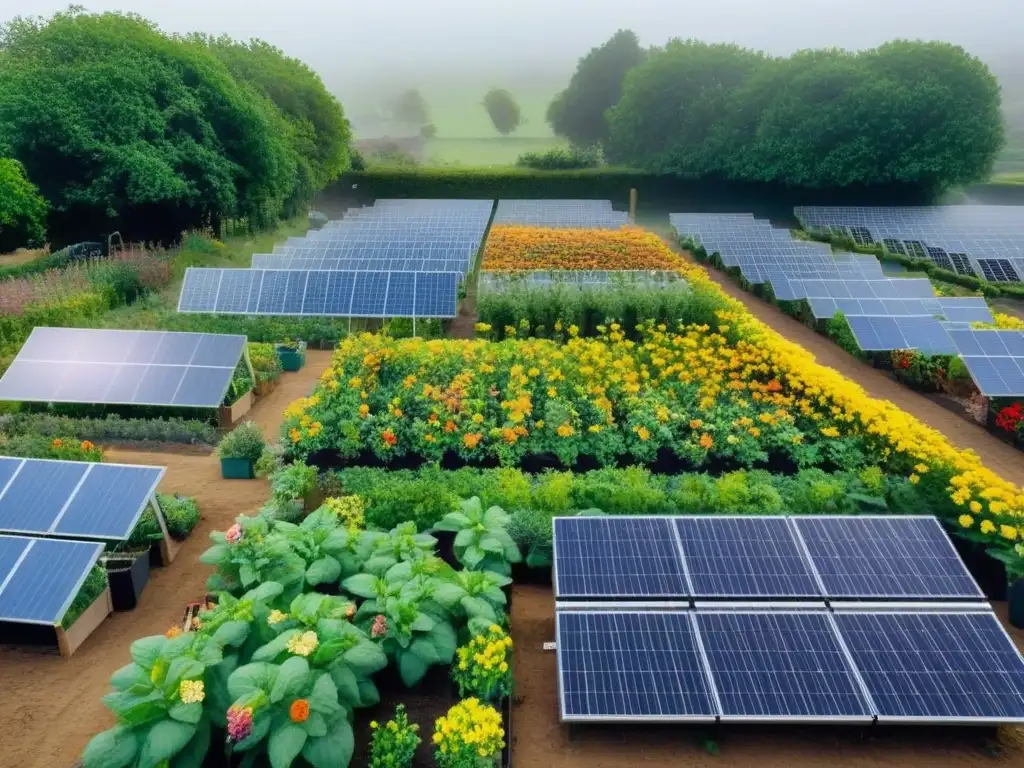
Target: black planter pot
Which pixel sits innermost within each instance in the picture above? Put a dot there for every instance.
(507, 590)
(127, 580)
(446, 547)
(506, 716)
(1015, 598)
(987, 571)
(524, 574)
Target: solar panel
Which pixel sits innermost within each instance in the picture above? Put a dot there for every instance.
(39, 578)
(885, 557)
(332, 293)
(922, 333)
(159, 368)
(631, 666)
(778, 665)
(617, 557)
(956, 667)
(997, 376)
(70, 498)
(738, 557)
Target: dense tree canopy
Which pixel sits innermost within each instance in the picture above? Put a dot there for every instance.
(503, 110)
(578, 112)
(117, 123)
(22, 208)
(410, 107)
(906, 113)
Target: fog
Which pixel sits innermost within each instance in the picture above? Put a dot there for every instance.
(364, 50)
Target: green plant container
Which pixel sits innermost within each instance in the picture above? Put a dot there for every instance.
(291, 359)
(237, 469)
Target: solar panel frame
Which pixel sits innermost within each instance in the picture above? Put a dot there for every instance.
(59, 559)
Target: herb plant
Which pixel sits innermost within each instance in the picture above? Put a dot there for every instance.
(481, 541)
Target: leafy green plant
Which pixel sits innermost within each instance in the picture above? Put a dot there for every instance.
(249, 553)
(292, 482)
(394, 743)
(243, 442)
(328, 549)
(400, 544)
(475, 595)
(481, 537)
(93, 586)
(181, 514)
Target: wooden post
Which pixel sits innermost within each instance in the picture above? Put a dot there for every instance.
(632, 205)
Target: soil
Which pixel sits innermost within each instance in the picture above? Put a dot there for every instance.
(540, 740)
(51, 705)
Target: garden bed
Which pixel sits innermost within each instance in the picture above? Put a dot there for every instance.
(128, 574)
(228, 415)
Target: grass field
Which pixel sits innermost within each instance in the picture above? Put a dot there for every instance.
(502, 150)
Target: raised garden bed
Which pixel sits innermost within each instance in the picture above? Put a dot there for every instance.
(128, 574)
(230, 414)
(70, 639)
(265, 387)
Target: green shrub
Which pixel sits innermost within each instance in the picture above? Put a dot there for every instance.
(181, 514)
(22, 209)
(265, 362)
(840, 332)
(561, 159)
(91, 589)
(243, 442)
(110, 428)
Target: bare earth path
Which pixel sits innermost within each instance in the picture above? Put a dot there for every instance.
(1001, 458)
(51, 705)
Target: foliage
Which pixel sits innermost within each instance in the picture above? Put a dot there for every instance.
(391, 155)
(93, 586)
(468, 736)
(560, 159)
(240, 385)
(111, 427)
(265, 362)
(840, 332)
(515, 248)
(22, 209)
(410, 107)
(481, 541)
(503, 109)
(578, 112)
(243, 442)
(921, 114)
(181, 514)
(62, 448)
(292, 482)
(482, 668)
(393, 744)
(350, 511)
(257, 329)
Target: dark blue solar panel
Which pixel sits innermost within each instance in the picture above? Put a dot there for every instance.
(340, 292)
(995, 376)
(41, 588)
(744, 557)
(619, 665)
(294, 292)
(159, 384)
(109, 502)
(315, 301)
(779, 665)
(864, 332)
(1013, 341)
(926, 335)
(401, 295)
(370, 294)
(272, 291)
(199, 290)
(85, 383)
(960, 666)
(617, 557)
(11, 550)
(888, 332)
(42, 488)
(436, 294)
(8, 468)
(966, 341)
(885, 557)
(202, 387)
(124, 384)
(235, 288)
(219, 350)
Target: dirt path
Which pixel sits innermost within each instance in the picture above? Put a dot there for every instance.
(540, 740)
(1001, 458)
(51, 705)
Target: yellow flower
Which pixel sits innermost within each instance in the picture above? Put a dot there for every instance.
(1008, 532)
(966, 521)
(303, 644)
(987, 526)
(975, 507)
(373, 724)
(276, 617)
(565, 430)
(643, 433)
(914, 479)
(191, 691)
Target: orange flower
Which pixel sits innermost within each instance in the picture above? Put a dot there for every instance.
(389, 437)
(57, 442)
(449, 426)
(773, 386)
(706, 441)
(564, 430)
(696, 424)
(87, 446)
(173, 631)
(472, 439)
(364, 411)
(299, 711)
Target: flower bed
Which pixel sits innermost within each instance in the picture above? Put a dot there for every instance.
(513, 248)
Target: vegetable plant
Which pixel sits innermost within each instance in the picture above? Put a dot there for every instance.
(249, 553)
(243, 442)
(481, 539)
(475, 595)
(292, 482)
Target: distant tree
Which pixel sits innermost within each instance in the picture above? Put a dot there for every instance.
(22, 209)
(503, 110)
(410, 107)
(578, 112)
(428, 131)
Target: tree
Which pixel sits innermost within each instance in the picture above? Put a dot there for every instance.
(503, 110)
(578, 112)
(22, 209)
(410, 107)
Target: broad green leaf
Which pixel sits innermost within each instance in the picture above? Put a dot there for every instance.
(247, 575)
(346, 684)
(275, 647)
(399, 573)
(113, 748)
(366, 658)
(479, 609)
(260, 728)
(465, 537)
(285, 743)
(215, 555)
(177, 646)
(379, 564)
(453, 521)
(492, 545)
(211, 654)
(248, 679)
(129, 675)
(136, 710)
(495, 595)
(315, 725)
(164, 740)
(448, 594)
(336, 543)
(496, 517)
(411, 668)
(194, 753)
(422, 623)
(445, 640)
(425, 649)
(292, 677)
(369, 696)
(472, 557)
(182, 668)
(333, 750)
(361, 585)
(324, 697)
(323, 571)
(186, 713)
(231, 633)
(146, 650)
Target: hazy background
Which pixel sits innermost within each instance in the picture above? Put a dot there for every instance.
(454, 50)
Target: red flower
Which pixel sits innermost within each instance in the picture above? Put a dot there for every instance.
(389, 437)
(1010, 417)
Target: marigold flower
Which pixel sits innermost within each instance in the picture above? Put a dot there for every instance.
(298, 712)
(706, 441)
(389, 437)
(173, 631)
(966, 521)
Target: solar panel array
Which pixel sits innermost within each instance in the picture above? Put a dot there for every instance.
(39, 578)
(978, 240)
(561, 214)
(72, 498)
(321, 293)
(159, 368)
(995, 360)
(587, 280)
(804, 656)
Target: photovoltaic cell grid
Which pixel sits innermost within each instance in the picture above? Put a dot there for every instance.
(629, 664)
(995, 360)
(71, 498)
(81, 365)
(885, 557)
(39, 578)
(922, 333)
(617, 557)
(320, 293)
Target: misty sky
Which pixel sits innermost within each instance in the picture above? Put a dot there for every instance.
(355, 44)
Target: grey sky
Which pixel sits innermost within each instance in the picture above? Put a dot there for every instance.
(359, 42)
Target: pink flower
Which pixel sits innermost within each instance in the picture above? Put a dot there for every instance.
(380, 626)
(233, 534)
(239, 723)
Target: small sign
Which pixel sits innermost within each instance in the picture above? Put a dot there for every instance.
(550, 646)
